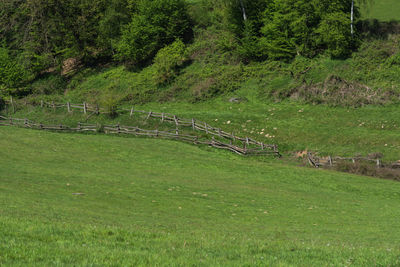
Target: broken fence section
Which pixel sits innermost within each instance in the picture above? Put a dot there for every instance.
(132, 130)
(196, 125)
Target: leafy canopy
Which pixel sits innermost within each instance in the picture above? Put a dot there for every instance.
(156, 24)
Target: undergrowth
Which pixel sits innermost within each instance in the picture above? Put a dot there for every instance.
(370, 76)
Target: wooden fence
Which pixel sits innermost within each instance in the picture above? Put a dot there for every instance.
(330, 161)
(196, 125)
(132, 130)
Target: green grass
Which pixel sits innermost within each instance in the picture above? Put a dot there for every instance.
(155, 202)
(383, 10)
(336, 131)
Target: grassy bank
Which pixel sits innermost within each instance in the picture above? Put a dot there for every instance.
(384, 10)
(149, 202)
(336, 131)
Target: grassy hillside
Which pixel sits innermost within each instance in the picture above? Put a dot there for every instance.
(383, 10)
(293, 126)
(333, 106)
(152, 202)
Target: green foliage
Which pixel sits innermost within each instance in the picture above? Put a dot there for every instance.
(168, 60)
(155, 24)
(49, 84)
(394, 60)
(115, 16)
(12, 74)
(334, 34)
(306, 28)
(109, 100)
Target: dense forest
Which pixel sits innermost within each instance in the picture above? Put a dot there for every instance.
(38, 35)
(193, 50)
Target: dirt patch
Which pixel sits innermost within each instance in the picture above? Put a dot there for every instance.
(368, 169)
(70, 66)
(338, 91)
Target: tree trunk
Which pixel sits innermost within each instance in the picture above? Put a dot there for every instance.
(352, 17)
(243, 10)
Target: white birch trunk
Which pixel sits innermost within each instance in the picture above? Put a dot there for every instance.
(243, 10)
(352, 17)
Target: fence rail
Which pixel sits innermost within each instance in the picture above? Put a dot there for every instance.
(196, 125)
(330, 161)
(132, 130)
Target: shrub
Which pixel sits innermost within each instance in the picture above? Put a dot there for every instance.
(109, 100)
(168, 60)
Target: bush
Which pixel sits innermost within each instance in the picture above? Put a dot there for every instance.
(110, 101)
(168, 60)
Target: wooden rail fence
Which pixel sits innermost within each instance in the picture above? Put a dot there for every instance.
(132, 130)
(330, 161)
(196, 125)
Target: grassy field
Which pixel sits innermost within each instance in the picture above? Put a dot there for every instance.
(336, 131)
(384, 10)
(154, 202)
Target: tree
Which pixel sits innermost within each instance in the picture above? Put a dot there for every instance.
(156, 24)
(307, 28)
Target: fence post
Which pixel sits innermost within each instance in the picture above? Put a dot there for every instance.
(262, 146)
(41, 103)
(176, 120)
(26, 122)
(193, 125)
(118, 128)
(177, 131)
(148, 116)
(247, 141)
(378, 163)
(219, 131)
(53, 105)
(206, 127)
(156, 132)
(84, 107)
(330, 161)
(69, 107)
(162, 117)
(132, 110)
(79, 126)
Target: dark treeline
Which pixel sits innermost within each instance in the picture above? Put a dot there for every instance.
(37, 36)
